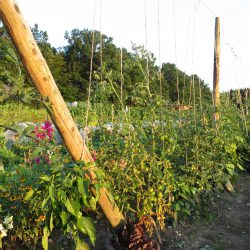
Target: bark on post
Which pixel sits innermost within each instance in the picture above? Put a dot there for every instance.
(37, 68)
(216, 89)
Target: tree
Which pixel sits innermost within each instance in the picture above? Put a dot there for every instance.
(55, 60)
(11, 77)
(188, 85)
(70, 67)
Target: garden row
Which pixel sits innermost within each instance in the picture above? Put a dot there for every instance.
(164, 171)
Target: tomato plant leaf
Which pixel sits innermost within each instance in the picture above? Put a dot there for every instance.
(83, 190)
(45, 238)
(29, 194)
(51, 225)
(45, 178)
(82, 245)
(69, 207)
(86, 226)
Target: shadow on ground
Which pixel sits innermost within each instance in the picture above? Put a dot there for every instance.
(229, 228)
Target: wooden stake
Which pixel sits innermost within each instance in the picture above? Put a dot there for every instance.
(246, 100)
(37, 68)
(216, 89)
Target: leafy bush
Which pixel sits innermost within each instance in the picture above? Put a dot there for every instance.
(45, 193)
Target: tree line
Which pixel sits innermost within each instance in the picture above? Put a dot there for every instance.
(71, 68)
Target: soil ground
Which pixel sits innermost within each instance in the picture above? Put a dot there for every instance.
(228, 228)
(225, 227)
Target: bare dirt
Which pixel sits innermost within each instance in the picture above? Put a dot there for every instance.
(225, 227)
(228, 227)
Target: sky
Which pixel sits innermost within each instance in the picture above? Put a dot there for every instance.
(176, 31)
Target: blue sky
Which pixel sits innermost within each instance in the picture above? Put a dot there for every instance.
(185, 28)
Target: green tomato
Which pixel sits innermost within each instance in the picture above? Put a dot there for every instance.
(153, 199)
(159, 195)
(116, 197)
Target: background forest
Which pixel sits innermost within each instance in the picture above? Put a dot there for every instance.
(70, 66)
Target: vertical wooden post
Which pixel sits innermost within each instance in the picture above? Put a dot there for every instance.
(246, 100)
(239, 100)
(42, 78)
(216, 89)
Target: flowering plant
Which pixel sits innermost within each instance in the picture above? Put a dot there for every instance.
(43, 134)
(4, 227)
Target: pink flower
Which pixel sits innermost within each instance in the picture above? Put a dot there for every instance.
(47, 125)
(37, 160)
(42, 135)
(46, 131)
(49, 130)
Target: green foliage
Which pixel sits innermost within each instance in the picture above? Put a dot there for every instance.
(13, 84)
(63, 195)
(44, 193)
(20, 113)
(70, 66)
(191, 88)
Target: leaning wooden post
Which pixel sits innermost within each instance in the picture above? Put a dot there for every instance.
(216, 89)
(37, 68)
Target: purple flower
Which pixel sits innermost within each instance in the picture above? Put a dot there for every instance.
(37, 160)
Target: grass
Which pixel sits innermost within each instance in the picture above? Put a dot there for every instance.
(15, 113)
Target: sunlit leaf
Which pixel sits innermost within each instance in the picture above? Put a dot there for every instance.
(45, 238)
(81, 245)
(29, 194)
(69, 207)
(86, 226)
(45, 178)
